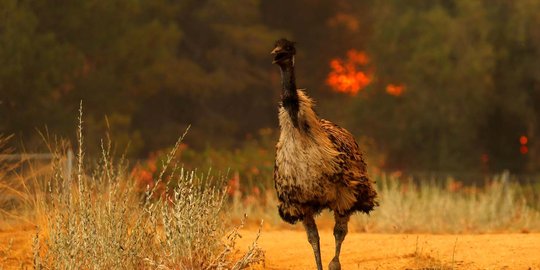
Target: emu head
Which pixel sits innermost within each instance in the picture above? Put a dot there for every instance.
(283, 52)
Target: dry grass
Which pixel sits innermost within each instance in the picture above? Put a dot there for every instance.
(499, 205)
(8, 193)
(427, 260)
(4, 253)
(97, 218)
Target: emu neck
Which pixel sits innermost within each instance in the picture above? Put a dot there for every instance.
(289, 95)
(288, 83)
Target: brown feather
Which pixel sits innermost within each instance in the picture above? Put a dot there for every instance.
(319, 165)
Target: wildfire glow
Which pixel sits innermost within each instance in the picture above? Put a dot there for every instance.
(523, 139)
(485, 158)
(346, 76)
(395, 90)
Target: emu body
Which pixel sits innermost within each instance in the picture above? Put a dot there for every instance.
(318, 164)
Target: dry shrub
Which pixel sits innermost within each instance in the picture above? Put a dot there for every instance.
(8, 194)
(99, 221)
(407, 206)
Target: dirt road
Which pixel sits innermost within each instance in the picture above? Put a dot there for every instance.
(290, 250)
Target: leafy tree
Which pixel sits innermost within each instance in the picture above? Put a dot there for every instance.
(34, 68)
(470, 84)
(147, 69)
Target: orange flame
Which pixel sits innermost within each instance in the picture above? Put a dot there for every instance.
(485, 158)
(395, 90)
(523, 140)
(345, 76)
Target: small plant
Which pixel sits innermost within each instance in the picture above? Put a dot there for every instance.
(98, 220)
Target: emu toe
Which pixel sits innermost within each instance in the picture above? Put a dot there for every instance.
(334, 264)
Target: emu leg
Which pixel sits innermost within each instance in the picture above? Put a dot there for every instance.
(340, 230)
(313, 238)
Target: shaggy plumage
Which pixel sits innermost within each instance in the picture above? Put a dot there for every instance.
(318, 164)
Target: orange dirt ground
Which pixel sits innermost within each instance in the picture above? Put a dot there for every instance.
(289, 249)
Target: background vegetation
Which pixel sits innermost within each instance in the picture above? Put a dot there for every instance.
(468, 71)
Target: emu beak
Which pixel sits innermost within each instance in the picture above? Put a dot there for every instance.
(274, 52)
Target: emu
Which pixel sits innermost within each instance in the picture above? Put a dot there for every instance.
(318, 164)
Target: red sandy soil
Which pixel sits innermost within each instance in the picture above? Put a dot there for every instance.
(20, 254)
(289, 249)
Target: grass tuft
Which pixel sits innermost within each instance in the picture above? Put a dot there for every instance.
(97, 219)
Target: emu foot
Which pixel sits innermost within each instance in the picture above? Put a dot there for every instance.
(334, 264)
